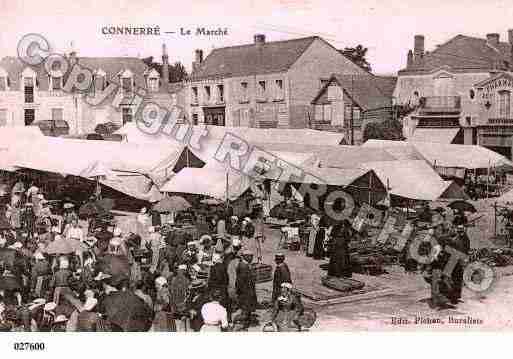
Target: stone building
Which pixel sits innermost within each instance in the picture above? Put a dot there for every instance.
(263, 84)
(347, 103)
(460, 92)
(28, 94)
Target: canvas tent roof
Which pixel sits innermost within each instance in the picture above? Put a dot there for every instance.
(208, 182)
(14, 140)
(410, 179)
(71, 156)
(435, 135)
(449, 155)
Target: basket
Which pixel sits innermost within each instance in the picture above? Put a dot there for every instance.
(263, 272)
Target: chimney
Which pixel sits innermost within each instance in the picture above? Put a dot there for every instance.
(409, 62)
(493, 39)
(510, 41)
(165, 67)
(259, 39)
(418, 48)
(198, 58)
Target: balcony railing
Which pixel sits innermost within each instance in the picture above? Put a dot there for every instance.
(500, 121)
(440, 102)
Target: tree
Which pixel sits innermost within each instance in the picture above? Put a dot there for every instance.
(387, 130)
(177, 72)
(357, 55)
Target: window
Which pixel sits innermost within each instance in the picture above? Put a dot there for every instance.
(3, 117)
(194, 95)
(279, 90)
(127, 115)
(195, 119)
(244, 92)
(326, 113)
(261, 90)
(56, 83)
(207, 93)
(99, 83)
(57, 114)
(29, 89)
(153, 84)
(3, 83)
(504, 104)
(29, 116)
(220, 91)
(126, 83)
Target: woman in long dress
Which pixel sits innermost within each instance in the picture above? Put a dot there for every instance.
(340, 263)
(316, 239)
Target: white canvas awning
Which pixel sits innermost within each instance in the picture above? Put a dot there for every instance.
(410, 179)
(435, 135)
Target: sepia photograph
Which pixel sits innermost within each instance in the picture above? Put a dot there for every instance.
(255, 166)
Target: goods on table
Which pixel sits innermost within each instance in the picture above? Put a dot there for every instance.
(342, 284)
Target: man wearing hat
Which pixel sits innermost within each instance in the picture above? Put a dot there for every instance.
(218, 280)
(245, 287)
(206, 251)
(40, 271)
(231, 262)
(198, 297)
(281, 275)
(461, 243)
(178, 291)
(61, 280)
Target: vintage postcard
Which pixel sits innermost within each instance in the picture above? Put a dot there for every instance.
(255, 166)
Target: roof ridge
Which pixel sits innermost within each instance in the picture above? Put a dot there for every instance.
(266, 42)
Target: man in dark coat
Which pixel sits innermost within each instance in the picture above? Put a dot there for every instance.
(218, 281)
(340, 263)
(245, 287)
(281, 275)
(462, 244)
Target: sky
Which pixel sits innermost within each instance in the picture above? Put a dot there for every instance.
(385, 27)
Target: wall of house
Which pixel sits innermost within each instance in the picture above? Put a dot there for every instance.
(269, 109)
(424, 84)
(319, 61)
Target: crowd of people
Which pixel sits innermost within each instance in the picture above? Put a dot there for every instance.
(59, 274)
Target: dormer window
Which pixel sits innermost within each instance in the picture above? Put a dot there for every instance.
(29, 81)
(127, 81)
(153, 84)
(152, 80)
(99, 81)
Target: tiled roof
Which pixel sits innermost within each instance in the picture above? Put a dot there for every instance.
(110, 65)
(464, 52)
(251, 59)
(368, 91)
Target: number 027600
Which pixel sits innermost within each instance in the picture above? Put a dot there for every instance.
(27, 346)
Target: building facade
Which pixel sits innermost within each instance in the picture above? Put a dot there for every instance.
(347, 103)
(264, 84)
(458, 92)
(28, 94)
